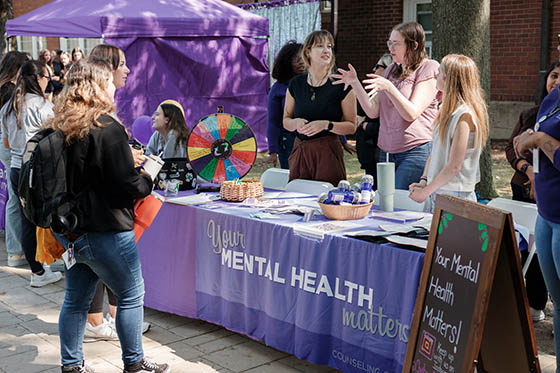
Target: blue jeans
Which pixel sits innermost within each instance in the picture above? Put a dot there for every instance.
(409, 165)
(547, 239)
(13, 220)
(113, 258)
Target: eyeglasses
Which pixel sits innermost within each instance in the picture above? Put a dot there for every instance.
(393, 44)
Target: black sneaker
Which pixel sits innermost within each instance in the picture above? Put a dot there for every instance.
(147, 366)
(83, 369)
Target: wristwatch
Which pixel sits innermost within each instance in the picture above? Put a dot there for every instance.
(331, 126)
(524, 168)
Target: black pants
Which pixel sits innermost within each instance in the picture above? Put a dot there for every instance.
(534, 281)
(28, 229)
(96, 305)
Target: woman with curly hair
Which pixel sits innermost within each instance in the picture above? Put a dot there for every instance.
(100, 167)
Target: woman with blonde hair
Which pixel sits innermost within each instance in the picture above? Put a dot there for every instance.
(100, 170)
(460, 132)
(318, 111)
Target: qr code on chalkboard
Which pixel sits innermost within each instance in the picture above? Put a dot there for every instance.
(427, 345)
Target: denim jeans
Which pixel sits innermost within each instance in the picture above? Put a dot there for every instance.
(431, 201)
(13, 223)
(409, 165)
(113, 258)
(547, 239)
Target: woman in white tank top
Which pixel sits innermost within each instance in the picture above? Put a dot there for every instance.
(460, 132)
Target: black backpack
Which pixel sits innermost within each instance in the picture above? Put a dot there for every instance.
(42, 188)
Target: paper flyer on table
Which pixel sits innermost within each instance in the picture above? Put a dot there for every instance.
(403, 240)
(401, 216)
(318, 230)
(194, 199)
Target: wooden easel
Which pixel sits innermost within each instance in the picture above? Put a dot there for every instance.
(472, 257)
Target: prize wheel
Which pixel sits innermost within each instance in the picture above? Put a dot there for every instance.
(221, 147)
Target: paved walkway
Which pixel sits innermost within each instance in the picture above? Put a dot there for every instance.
(29, 337)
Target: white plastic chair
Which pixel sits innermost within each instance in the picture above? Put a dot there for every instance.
(401, 200)
(523, 213)
(275, 178)
(309, 186)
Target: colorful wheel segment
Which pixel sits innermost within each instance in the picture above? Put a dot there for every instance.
(221, 147)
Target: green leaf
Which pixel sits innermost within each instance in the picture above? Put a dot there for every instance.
(484, 234)
(484, 244)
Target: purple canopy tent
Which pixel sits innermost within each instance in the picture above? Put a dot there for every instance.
(202, 53)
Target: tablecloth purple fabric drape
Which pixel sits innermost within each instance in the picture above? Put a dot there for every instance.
(337, 301)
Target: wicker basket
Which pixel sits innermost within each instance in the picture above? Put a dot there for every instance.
(345, 212)
(230, 191)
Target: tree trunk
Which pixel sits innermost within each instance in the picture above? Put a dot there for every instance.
(6, 13)
(463, 26)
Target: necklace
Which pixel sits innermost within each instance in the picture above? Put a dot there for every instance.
(313, 85)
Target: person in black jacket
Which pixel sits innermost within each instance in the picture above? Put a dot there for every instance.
(100, 166)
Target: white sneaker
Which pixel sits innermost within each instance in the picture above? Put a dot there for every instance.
(102, 332)
(48, 277)
(145, 325)
(537, 315)
(16, 260)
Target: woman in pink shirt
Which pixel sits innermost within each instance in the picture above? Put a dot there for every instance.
(404, 100)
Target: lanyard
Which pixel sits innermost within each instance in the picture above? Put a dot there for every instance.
(537, 126)
(545, 117)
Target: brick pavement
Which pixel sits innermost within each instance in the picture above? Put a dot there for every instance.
(29, 337)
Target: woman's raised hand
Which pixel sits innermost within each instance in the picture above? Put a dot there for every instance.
(346, 77)
(376, 84)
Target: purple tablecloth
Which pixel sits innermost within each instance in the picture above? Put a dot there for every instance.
(337, 301)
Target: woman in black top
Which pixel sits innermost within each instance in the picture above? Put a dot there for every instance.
(318, 111)
(100, 170)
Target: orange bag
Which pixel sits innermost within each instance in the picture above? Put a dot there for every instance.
(145, 211)
(48, 248)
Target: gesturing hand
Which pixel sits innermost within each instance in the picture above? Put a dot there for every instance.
(376, 84)
(346, 77)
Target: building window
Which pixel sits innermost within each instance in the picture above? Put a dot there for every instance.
(420, 11)
(86, 45)
(31, 44)
(326, 6)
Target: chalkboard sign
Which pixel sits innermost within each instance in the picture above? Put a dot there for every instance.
(471, 308)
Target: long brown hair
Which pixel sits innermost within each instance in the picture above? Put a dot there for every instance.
(27, 82)
(176, 123)
(462, 87)
(83, 100)
(415, 42)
